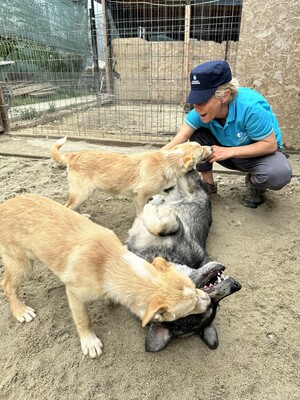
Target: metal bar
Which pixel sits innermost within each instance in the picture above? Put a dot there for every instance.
(4, 120)
(186, 51)
(94, 48)
(108, 69)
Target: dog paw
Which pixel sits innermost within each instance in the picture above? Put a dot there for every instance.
(91, 345)
(157, 200)
(27, 314)
(87, 216)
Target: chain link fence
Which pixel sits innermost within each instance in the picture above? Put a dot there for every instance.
(112, 70)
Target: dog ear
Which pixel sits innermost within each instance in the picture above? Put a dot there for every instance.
(154, 312)
(188, 162)
(157, 338)
(161, 264)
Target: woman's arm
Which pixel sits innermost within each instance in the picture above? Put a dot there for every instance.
(183, 135)
(257, 149)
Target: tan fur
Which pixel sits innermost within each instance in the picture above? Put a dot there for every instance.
(92, 262)
(138, 176)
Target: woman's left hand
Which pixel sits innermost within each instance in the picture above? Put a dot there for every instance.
(220, 153)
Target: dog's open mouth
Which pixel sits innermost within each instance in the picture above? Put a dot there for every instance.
(215, 283)
(213, 280)
(205, 159)
(209, 276)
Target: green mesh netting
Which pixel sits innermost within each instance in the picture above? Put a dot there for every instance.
(57, 23)
(47, 40)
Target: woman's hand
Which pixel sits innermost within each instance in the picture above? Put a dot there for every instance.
(256, 149)
(220, 153)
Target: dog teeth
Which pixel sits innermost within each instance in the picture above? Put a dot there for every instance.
(223, 277)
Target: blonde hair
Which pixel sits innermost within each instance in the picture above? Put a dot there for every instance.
(233, 86)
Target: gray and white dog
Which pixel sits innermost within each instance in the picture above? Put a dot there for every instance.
(175, 226)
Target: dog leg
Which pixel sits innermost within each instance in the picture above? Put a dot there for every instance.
(75, 201)
(16, 269)
(90, 343)
(160, 220)
(139, 201)
(79, 192)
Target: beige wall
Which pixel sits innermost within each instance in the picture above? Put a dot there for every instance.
(269, 60)
(156, 71)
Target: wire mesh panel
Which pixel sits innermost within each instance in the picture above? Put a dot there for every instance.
(116, 69)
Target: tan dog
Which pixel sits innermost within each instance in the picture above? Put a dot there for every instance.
(138, 176)
(92, 262)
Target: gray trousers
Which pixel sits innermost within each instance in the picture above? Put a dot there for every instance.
(272, 171)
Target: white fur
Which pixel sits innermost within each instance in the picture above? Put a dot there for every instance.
(62, 141)
(188, 292)
(91, 345)
(138, 265)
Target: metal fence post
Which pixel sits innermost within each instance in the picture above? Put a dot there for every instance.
(4, 120)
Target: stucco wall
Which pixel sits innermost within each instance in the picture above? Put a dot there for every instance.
(156, 71)
(269, 60)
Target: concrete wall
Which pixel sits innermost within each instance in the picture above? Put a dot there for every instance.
(269, 59)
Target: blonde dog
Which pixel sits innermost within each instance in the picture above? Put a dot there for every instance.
(138, 176)
(92, 262)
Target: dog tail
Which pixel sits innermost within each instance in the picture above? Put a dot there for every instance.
(56, 155)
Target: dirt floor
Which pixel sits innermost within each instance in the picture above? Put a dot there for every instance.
(258, 356)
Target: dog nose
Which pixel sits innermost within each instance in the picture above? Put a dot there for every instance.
(208, 148)
(206, 153)
(236, 286)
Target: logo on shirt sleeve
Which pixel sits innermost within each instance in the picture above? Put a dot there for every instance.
(241, 137)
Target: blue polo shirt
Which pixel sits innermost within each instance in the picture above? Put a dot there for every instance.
(250, 118)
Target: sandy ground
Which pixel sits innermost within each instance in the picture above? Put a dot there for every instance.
(258, 356)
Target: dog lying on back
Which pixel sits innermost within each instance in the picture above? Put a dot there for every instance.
(175, 225)
(91, 262)
(138, 176)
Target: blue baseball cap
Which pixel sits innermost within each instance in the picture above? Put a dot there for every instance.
(206, 78)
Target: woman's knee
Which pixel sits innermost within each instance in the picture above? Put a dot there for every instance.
(281, 180)
(273, 179)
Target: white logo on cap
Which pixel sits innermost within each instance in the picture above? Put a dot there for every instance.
(195, 80)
